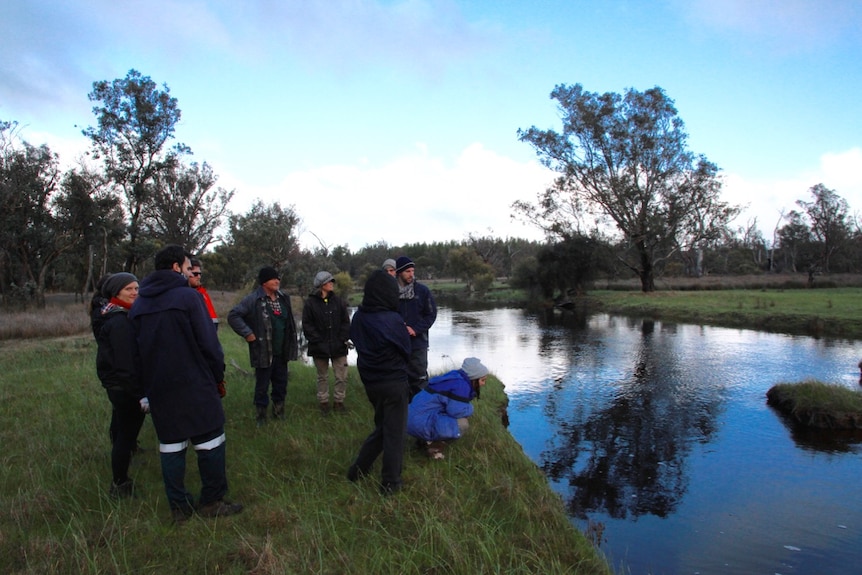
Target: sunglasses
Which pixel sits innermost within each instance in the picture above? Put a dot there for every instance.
(196, 274)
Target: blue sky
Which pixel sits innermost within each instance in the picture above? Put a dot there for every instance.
(396, 121)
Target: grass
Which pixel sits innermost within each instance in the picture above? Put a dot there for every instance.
(831, 312)
(817, 404)
(484, 509)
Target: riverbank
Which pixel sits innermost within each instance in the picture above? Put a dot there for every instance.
(484, 509)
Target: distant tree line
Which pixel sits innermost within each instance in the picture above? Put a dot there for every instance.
(630, 201)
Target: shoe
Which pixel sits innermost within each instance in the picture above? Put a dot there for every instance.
(435, 450)
(261, 415)
(354, 474)
(387, 489)
(278, 411)
(324, 408)
(181, 515)
(124, 490)
(338, 407)
(221, 508)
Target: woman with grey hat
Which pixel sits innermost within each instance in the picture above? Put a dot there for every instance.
(438, 414)
(326, 326)
(117, 370)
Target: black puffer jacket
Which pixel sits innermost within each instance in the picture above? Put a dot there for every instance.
(326, 325)
(116, 363)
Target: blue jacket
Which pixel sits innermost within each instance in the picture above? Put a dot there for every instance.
(181, 359)
(420, 313)
(251, 316)
(434, 412)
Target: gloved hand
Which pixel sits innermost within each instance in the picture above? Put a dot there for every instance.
(222, 390)
(145, 404)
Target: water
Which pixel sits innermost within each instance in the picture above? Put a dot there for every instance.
(661, 433)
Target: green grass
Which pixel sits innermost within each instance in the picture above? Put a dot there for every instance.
(484, 509)
(817, 404)
(821, 312)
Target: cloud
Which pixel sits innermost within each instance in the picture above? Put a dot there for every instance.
(413, 198)
(766, 199)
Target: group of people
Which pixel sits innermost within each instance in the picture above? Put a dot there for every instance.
(159, 353)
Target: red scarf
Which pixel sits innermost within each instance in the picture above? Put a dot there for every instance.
(121, 303)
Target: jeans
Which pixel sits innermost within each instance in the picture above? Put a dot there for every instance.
(277, 374)
(390, 400)
(210, 451)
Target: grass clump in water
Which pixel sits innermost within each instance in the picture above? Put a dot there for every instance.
(818, 404)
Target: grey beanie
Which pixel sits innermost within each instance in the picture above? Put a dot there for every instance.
(389, 263)
(474, 368)
(321, 278)
(117, 282)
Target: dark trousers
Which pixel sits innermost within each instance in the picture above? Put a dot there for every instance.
(277, 374)
(126, 421)
(210, 451)
(417, 371)
(390, 399)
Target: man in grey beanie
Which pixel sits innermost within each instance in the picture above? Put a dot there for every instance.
(326, 326)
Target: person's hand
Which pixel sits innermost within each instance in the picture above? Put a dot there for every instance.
(250, 337)
(411, 331)
(222, 390)
(145, 404)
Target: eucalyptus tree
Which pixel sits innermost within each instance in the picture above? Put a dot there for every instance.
(184, 208)
(623, 159)
(830, 223)
(136, 121)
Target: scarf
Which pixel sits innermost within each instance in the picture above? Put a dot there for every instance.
(406, 292)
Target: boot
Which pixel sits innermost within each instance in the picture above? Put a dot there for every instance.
(261, 415)
(338, 407)
(324, 408)
(278, 411)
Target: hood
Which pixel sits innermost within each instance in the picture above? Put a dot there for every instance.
(161, 281)
(381, 293)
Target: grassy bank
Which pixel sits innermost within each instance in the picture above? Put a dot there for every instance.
(484, 509)
(817, 404)
(833, 312)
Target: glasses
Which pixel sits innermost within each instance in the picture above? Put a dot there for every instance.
(196, 274)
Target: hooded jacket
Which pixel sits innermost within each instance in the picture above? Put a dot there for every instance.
(420, 313)
(434, 412)
(251, 315)
(378, 332)
(181, 359)
(116, 363)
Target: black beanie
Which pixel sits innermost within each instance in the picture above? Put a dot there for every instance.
(265, 274)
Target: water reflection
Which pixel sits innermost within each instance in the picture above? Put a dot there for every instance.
(661, 432)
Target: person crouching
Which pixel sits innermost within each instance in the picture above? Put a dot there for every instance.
(439, 413)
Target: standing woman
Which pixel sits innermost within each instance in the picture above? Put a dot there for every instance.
(117, 370)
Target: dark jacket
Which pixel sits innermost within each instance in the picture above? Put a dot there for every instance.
(379, 334)
(420, 313)
(116, 365)
(181, 358)
(434, 412)
(326, 325)
(251, 316)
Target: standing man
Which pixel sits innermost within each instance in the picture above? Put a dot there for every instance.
(383, 347)
(416, 305)
(265, 319)
(326, 325)
(182, 363)
(196, 282)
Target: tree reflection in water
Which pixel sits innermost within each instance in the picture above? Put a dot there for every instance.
(626, 456)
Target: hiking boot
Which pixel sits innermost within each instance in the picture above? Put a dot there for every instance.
(324, 408)
(387, 489)
(124, 490)
(278, 411)
(261, 415)
(221, 508)
(435, 450)
(354, 474)
(181, 515)
(338, 407)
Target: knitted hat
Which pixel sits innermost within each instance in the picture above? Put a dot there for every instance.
(403, 263)
(474, 368)
(116, 282)
(265, 274)
(322, 278)
(389, 263)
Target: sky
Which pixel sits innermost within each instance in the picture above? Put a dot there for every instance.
(396, 120)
